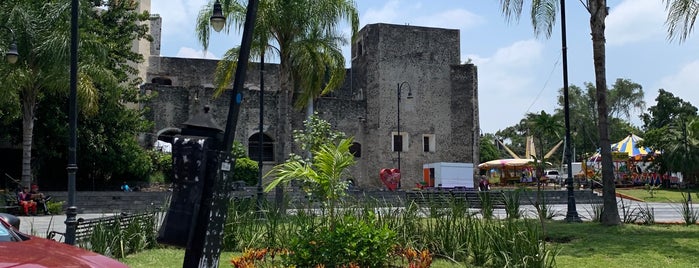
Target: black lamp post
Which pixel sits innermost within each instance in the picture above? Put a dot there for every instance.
(11, 55)
(218, 21)
(400, 135)
(72, 211)
(572, 214)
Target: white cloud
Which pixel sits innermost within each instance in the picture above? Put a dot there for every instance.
(179, 16)
(187, 52)
(682, 84)
(414, 14)
(507, 80)
(452, 19)
(635, 21)
(387, 13)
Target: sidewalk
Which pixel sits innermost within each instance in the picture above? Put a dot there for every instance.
(41, 225)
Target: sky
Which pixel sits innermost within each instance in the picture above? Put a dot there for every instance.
(518, 72)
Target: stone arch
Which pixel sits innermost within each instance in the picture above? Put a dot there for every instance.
(168, 134)
(267, 147)
(356, 149)
(162, 81)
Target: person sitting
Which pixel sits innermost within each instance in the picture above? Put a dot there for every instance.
(125, 187)
(40, 199)
(26, 202)
(483, 184)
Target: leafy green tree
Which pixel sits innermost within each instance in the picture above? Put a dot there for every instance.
(488, 149)
(671, 129)
(625, 97)
(107, 128)
(543, 16)
(516, 135)
(316, 132)
(42, 36)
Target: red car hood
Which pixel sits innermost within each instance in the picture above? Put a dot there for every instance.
(40, 252)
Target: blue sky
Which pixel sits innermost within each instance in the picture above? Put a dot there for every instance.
(518, 71)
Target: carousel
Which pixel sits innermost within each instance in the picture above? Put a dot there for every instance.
(631, 164)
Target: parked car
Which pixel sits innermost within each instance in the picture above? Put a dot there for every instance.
(552, 175)
(22, 250)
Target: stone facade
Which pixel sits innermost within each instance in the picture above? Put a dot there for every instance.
(423, 62)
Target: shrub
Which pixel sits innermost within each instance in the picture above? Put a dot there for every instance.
(54, 207)
(246, 170)
(351, 242)
(162, 165)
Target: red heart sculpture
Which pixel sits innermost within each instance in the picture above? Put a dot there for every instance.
(390, 178)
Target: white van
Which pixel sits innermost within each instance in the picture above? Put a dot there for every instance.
(552, 175)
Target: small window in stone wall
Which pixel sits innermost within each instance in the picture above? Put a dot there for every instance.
(162, 81)
(399, 142)
(428, 143)
(356, 149)
(267, 147)
(357, 49)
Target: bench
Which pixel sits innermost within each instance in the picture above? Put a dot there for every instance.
(123, 221)
(11, 205)
(447, 197)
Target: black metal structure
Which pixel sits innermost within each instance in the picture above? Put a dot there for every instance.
(398, 95)
(572, 213)
(72, 211)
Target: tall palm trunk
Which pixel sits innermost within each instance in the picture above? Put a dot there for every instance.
(28, 110)
(284, 133)
(598, 12)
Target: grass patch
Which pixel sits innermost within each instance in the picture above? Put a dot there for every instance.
(660, 195)
(593, 245)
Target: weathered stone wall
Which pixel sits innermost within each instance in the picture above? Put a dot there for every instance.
(444, 102)
(421, 60)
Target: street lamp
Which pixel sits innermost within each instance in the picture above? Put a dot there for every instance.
(217, 19)
(400, 135)
(12, 55)
(217, 22)
(572, 214)
(72, 211)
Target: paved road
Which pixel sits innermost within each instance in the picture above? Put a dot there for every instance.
(664, 212)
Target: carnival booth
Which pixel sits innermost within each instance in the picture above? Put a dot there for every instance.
(503, 171)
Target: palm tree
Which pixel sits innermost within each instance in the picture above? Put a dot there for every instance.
(43, 40)
(302, 34)
(544, 126)
(323, 175)
(681, 15)
(543, 17)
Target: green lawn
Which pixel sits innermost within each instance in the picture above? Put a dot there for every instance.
(582, 245)
(660, 195)
(593, 245)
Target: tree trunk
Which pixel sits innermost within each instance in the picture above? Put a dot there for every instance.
(284, 131)
(28, 109)
(598, 10)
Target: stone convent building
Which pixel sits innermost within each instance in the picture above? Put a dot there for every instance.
(438, 102)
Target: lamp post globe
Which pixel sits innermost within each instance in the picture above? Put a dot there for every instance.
(217, 19)
(12, 55)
